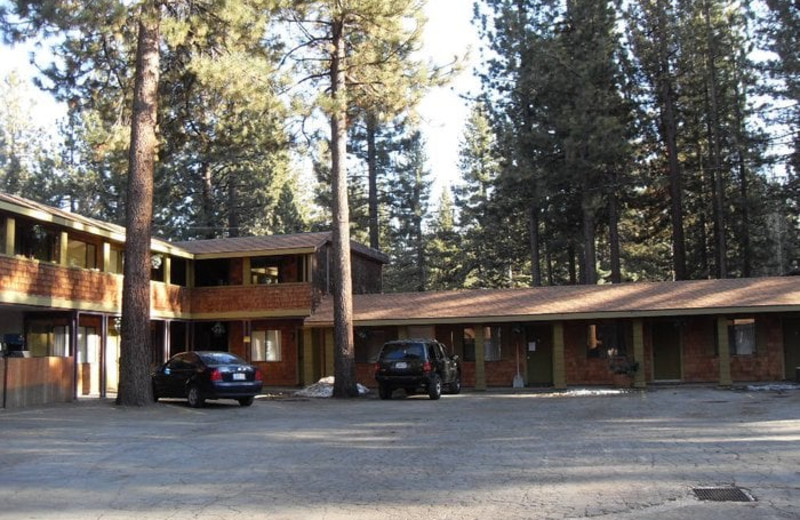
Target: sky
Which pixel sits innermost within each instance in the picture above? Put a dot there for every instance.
(448, 34)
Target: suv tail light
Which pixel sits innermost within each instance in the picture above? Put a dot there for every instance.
(216, 375)
(259, 377)
(377, 368)
(427, 367)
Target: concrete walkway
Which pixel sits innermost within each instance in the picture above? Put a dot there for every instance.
(492, 455)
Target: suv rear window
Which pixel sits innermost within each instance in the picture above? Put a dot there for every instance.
(397, 351)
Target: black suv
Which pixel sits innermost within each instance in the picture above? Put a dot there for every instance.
(417, 364)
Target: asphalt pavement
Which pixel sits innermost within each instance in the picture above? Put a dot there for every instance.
(506, 455)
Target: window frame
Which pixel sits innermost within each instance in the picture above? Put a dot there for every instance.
(266, 346)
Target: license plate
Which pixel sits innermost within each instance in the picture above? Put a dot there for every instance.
(239, 377)
(401, 365)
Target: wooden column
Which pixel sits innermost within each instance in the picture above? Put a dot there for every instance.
(480, 358)
(638, 353)
(328, 352)
(559, 364)
(308, 357)
(11, 228)
(723, 347)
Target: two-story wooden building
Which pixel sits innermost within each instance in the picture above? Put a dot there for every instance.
(267, 299)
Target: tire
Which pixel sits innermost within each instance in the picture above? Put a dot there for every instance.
(455, 386)
(385, 392)
(155, 395)
(246, 401)
(195, 397)
(435, 387)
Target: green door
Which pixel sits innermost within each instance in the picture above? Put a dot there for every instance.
(538, 350)
(791, 347)
(666, 351)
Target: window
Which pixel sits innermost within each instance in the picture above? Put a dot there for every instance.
(493, 340)
(116, 260)
(81, 254)
(265, 345)
(2, 235)
(208, 273)
(469, 344)
(264, 271)
(492, 343)
(36, 241)
(742, 337)
(605, 340)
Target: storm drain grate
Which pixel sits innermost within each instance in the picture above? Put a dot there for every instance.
(723, 494)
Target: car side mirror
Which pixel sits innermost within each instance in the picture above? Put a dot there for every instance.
(454, 357)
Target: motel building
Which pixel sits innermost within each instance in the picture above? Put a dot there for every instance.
(267, 299)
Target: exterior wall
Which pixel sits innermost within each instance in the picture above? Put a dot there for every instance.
(250, 299)
(699, 358)
(367, 275)
(34, 381)
(29, 281)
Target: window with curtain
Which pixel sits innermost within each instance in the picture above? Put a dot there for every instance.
(265, 345)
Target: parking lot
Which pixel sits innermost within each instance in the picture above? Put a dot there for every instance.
(489, 455)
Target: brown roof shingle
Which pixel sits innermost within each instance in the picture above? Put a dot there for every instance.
(573, 302)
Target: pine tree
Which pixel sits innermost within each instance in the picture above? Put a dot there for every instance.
(358, 48)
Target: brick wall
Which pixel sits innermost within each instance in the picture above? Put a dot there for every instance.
(80, 286)
(227, 299)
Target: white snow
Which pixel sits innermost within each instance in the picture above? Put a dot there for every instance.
(324, 388)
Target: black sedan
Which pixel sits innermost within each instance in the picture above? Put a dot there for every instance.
(203, 375)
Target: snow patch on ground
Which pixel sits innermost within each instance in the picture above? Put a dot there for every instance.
(773, 387)
(324, 388)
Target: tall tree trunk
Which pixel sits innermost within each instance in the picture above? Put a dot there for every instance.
(233, 209)
(715, 150)
(744, 189)
(135, 388)
(536, 263)
(613, 236)
(669, 127)
(589, 248)
(372, 174)
(208, 203)
(344, 366)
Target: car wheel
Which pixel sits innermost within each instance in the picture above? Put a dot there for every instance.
(435, 387)
(455, 386)
(246, 401)
(195, 397)
(385, 391)
(155, 395)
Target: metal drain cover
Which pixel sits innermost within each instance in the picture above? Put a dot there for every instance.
(723, 494)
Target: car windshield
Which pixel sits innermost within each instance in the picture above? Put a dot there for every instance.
(220, 358)
(395, 351)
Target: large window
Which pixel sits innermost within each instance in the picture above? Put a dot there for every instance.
(605, 340)
(493, 340)
(742, 337)
(116, 260)
(36, 241)
(208, 273)
(265, 270)
(81, 254)
(265, 345)
(492, 343)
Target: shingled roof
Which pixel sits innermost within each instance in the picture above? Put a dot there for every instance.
(272, 244)
(647, 299)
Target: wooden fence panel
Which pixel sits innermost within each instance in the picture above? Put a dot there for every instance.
(34, 381)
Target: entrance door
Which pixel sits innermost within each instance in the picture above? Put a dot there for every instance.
(666, 351)
(791, 348)
(538, 350)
